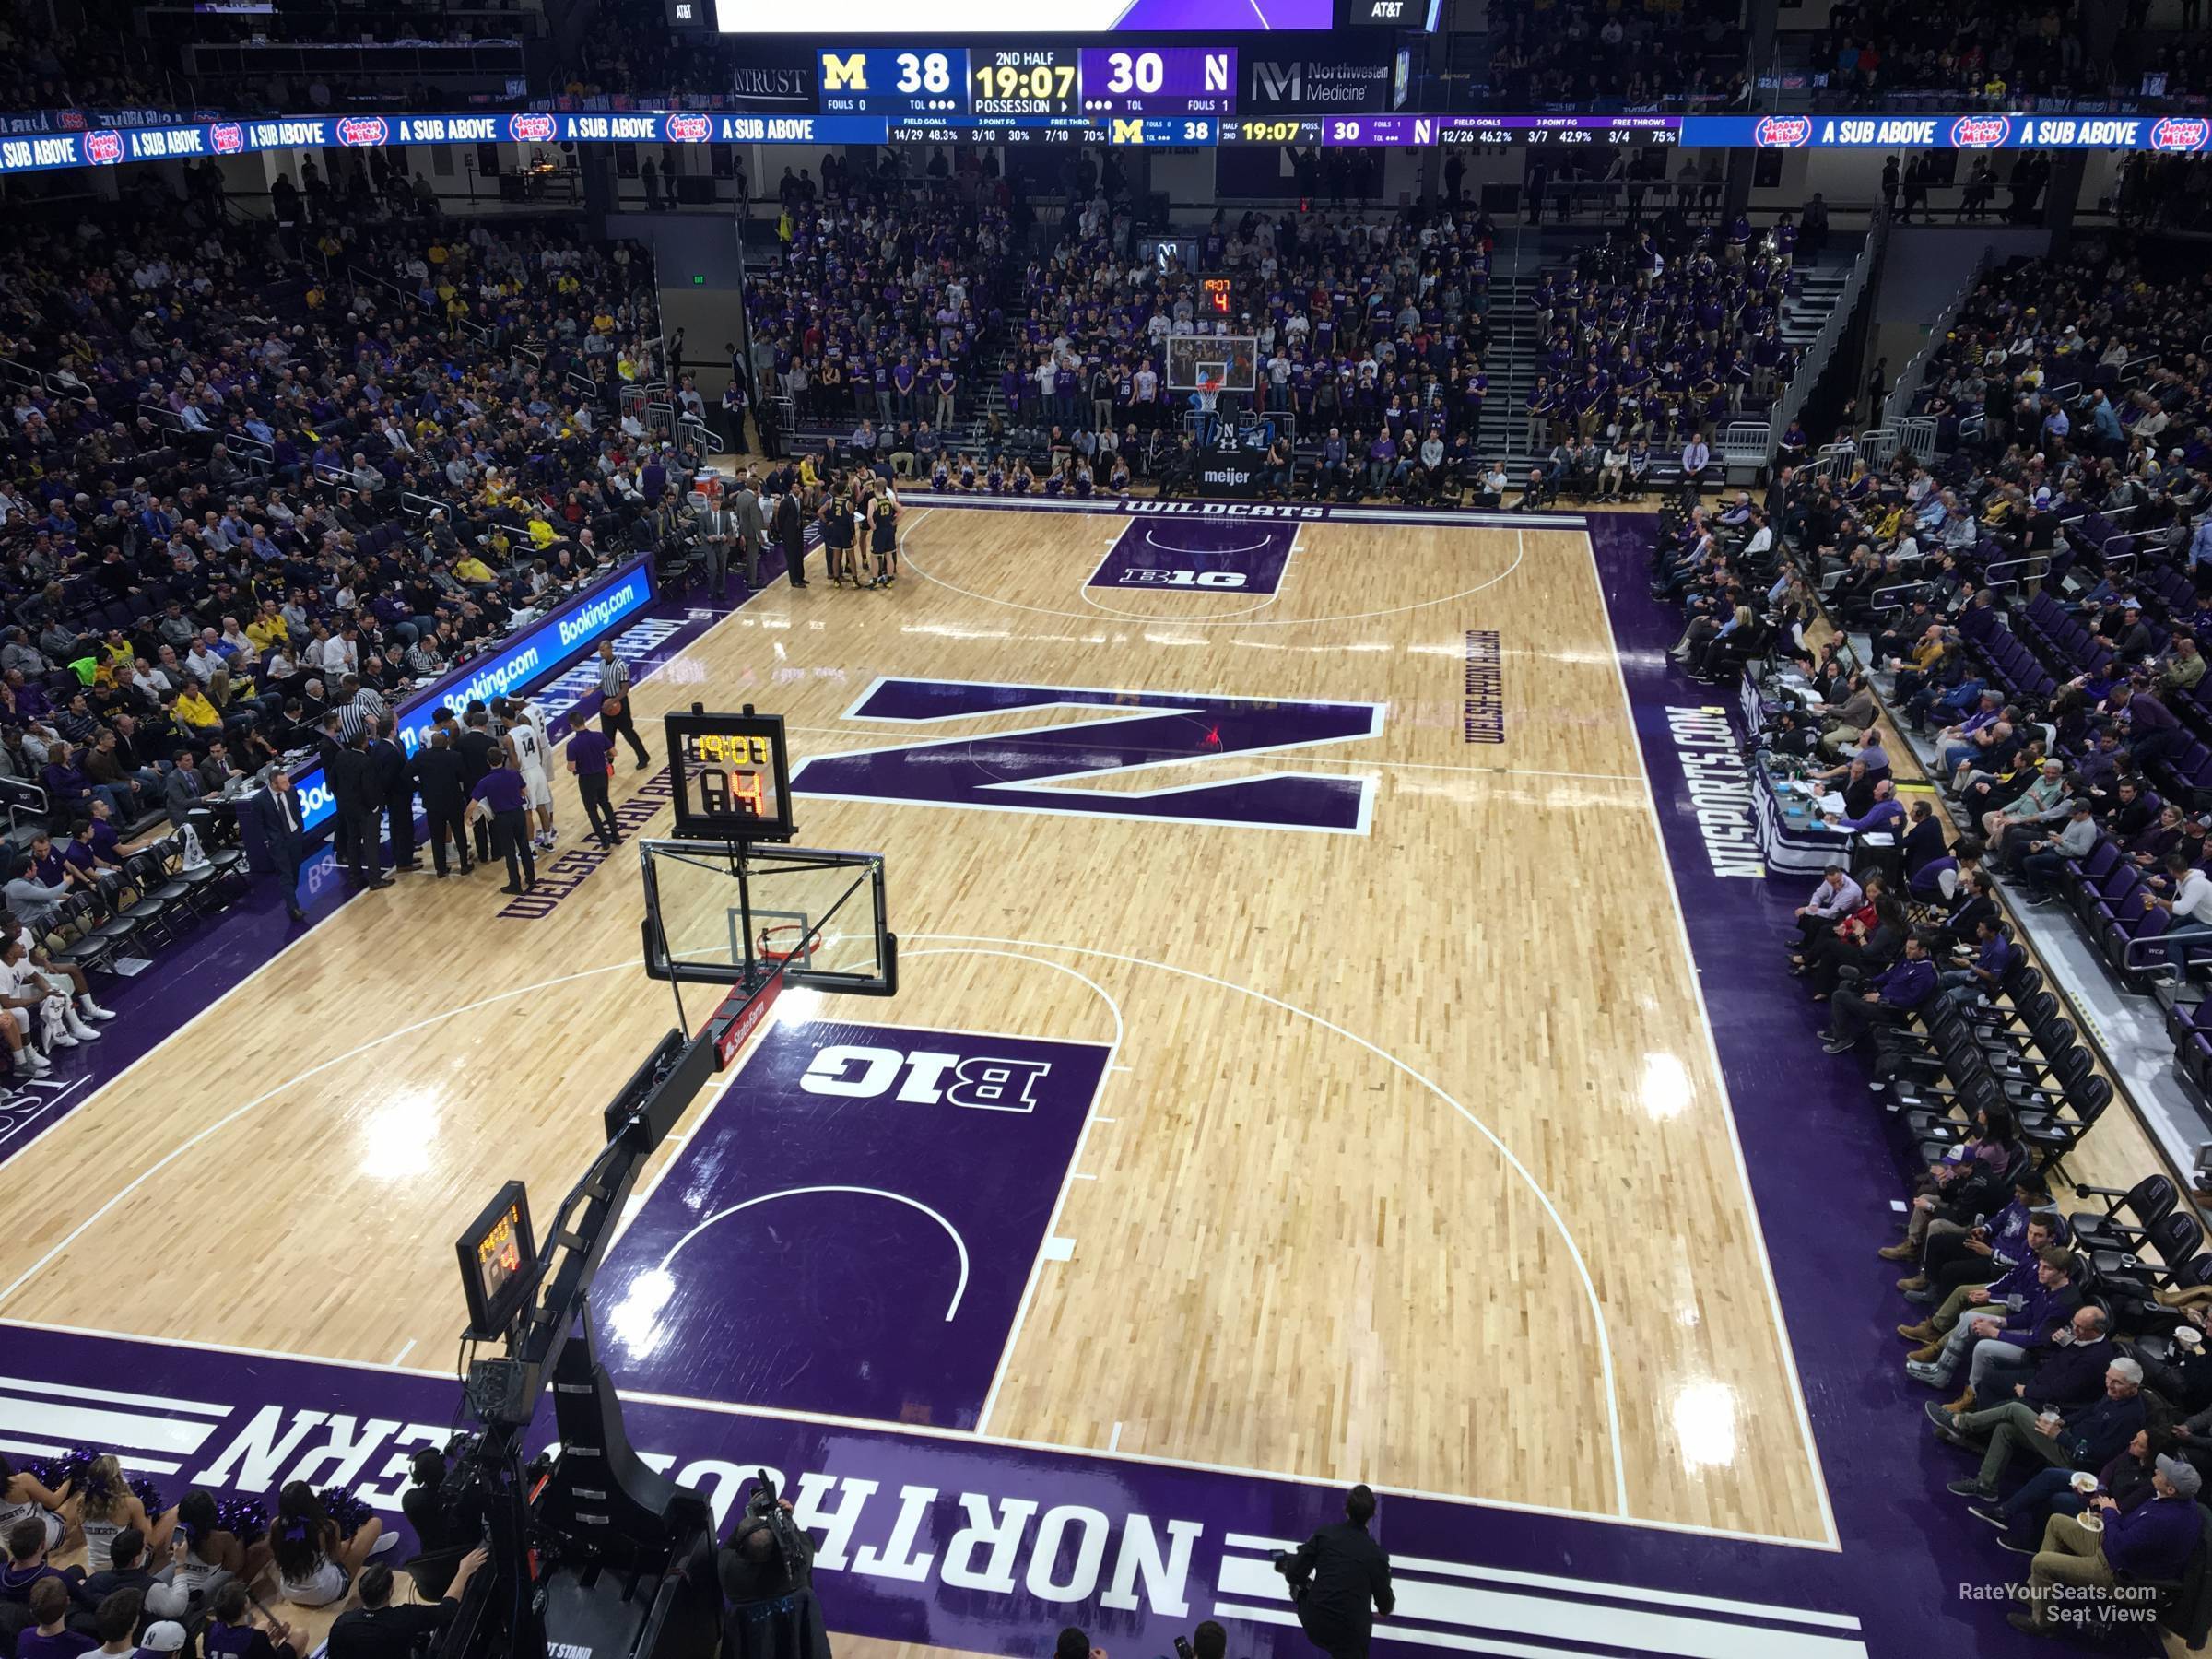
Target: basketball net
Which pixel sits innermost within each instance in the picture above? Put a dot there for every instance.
(1206, 393)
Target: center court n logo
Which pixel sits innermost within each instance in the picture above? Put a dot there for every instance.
(1114, 731)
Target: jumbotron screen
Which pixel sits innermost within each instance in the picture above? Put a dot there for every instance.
(831, 18)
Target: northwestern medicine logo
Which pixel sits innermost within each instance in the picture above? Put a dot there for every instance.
(364, 131)
(227, 137)
(530, 128)
(1783, 132)
(687, 129)
(1981, 131)
(2181, 133)
(103, 148)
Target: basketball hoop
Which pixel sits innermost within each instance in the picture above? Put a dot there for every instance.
(780, 943)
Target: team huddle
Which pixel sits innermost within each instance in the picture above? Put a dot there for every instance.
(859, 514)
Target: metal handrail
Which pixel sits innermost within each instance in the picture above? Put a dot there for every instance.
(1815, 361)
(1904, 395)
(1909, 590)
(1991, 580)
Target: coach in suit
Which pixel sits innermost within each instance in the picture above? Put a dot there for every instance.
(328, 747)
(476, 745)
(352, 776)
(396, 791)
(752, 529)
(717, 528)
(441, 775)
(276, 815)
(1340, 1579)
(790, 527)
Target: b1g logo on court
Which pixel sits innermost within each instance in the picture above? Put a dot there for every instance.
(1147, 576)
(867, 1204)
(925, 1076)
(1200, 556)
(1033, 769)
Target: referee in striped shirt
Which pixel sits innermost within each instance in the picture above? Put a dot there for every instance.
(614, 701)
(362, 710)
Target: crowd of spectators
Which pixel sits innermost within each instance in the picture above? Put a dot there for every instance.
(2086, 1424)
(1664, 332)
(254, 477)
(1995, 55)
(885, 295)
(1558, 53)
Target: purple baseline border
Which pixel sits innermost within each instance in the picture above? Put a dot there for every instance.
(1823, 1176)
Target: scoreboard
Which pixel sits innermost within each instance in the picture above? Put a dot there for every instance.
(731, 776)
(994, 83)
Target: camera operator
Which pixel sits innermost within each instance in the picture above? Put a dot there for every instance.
(1340, 1579)
(767, 1574)
(377, 1629)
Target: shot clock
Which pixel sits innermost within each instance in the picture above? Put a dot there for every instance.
(498, 1256)
(731, 776)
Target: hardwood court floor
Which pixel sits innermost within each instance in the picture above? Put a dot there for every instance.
(1407, 1112)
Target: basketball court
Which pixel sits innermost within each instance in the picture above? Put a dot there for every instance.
(1299, 1073)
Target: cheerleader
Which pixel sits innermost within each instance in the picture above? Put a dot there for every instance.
(940, 476)
(994, 478)
(26, 1498)
(1083, 480)
(1118, 479)
(883, 538)
(1024, 480)
(315, 1564)
(967, 475)
(101, 1504)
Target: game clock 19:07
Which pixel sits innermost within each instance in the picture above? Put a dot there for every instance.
(731, 776)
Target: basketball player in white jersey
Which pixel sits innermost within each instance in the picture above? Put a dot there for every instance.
(528, 748)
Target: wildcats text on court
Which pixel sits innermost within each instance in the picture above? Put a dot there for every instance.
(1720, 789)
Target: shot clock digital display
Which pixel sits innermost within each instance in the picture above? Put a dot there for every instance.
(730, 775)
(498, 1254)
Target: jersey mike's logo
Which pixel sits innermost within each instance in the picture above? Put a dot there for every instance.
(1783, 132)
(364, 130)
(70, 121)
(104, 147)
(530, 128)
(2181, 133)
(1981, 131)
(687, 129)
(227, 137)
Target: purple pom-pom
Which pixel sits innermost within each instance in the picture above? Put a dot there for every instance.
(147, 1493)
(243, 1517)
(344, 1508)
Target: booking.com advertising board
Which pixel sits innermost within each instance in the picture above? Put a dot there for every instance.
(521, 662)
(97, 146)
